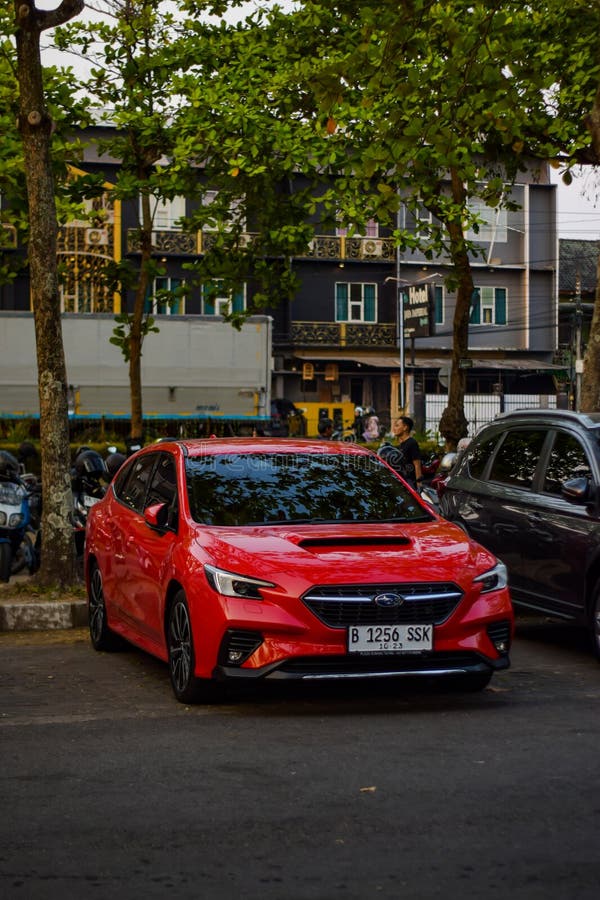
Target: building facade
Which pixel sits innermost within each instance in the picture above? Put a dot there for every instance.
(368, 326)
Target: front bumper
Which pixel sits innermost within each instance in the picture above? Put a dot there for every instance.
(323, 668)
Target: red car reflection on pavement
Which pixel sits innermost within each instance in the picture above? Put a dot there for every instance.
(269, 559)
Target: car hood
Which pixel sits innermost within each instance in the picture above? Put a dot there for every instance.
(340, 553)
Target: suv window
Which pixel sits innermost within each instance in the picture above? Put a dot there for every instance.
(568, 459)
(480, 453)
(517, 458)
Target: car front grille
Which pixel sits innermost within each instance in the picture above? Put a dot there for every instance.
(339, 606)
(431, 663)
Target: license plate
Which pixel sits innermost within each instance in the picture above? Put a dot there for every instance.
(88, 501)
(390, 638)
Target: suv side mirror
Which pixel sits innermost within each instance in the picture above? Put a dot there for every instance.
(577, 490)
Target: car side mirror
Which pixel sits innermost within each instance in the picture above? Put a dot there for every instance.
(157, 516)
(576, 490)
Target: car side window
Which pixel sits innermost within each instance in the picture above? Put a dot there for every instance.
(517, 458)
(568, 459)
(480, 453)
(163, 487)
(133, 491)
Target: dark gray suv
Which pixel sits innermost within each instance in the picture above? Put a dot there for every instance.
(528, 488)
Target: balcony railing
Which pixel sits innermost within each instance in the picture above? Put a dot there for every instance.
(341, 334)
(325, 247)
(174, 243)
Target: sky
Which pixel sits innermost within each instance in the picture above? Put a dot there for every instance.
(578, 205)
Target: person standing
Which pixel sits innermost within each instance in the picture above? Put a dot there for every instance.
(410, 464)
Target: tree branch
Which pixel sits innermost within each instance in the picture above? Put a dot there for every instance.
(51, 18)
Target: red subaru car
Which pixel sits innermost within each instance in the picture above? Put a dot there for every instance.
(288, 559)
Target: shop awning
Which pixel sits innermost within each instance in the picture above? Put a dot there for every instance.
(389, 361)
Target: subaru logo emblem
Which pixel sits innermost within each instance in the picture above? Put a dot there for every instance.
(388, 600)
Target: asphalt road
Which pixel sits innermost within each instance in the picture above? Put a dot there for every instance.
(111, 789)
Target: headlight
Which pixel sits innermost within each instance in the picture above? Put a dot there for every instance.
(494, 579)
(231, 585)
(12, 494)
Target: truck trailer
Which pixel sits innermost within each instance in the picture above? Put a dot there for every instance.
(194, 367)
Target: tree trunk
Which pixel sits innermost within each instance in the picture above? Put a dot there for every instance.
(136, 331)
(453, 423)
(135, 363)
(590, 382)
(35, 127)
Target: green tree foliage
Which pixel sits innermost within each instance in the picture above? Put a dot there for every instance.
(437, 104)
(181, 89)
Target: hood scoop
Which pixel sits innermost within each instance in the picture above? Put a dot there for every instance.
(337, 543)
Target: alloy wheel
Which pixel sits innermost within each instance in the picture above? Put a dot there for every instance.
(180, 647)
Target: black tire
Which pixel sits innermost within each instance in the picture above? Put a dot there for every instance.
(595, 622)
(5, 560)
(182, 658)
(101, 636)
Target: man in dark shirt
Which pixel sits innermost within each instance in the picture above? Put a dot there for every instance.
(410, 466)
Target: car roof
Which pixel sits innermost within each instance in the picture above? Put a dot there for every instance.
(587, 420)
(196, 447)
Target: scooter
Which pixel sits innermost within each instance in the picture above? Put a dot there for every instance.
(17, 536)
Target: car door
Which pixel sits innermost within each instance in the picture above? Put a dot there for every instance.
(561, 536)
(492, 498)
(122, 575)
(148, 549)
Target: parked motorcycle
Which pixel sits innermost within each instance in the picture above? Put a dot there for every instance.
(432, 491)
(429, 466)
(365, 427)
(18, 546)
(89, 478)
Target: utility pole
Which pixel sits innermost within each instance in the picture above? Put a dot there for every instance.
(400, 322)
(578, 354)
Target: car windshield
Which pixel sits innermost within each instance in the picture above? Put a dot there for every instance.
(297, 488)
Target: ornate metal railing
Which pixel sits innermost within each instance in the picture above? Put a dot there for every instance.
(324, 246)
(343, 334)
(176, 243)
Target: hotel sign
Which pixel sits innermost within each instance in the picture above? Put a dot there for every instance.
(417, 303)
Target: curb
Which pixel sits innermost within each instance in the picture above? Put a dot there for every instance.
(43, 616)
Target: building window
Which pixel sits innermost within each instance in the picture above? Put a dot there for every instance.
(371, 230)
(418, 220)
(233, 215)
(216, 301)
(355, 302)
(488, 306)
(495, 223)
(161, 301)
(166, 214)
(438, 304)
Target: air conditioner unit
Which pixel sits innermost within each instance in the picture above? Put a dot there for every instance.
(10, 236)
(96, 237)
(372, 247)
